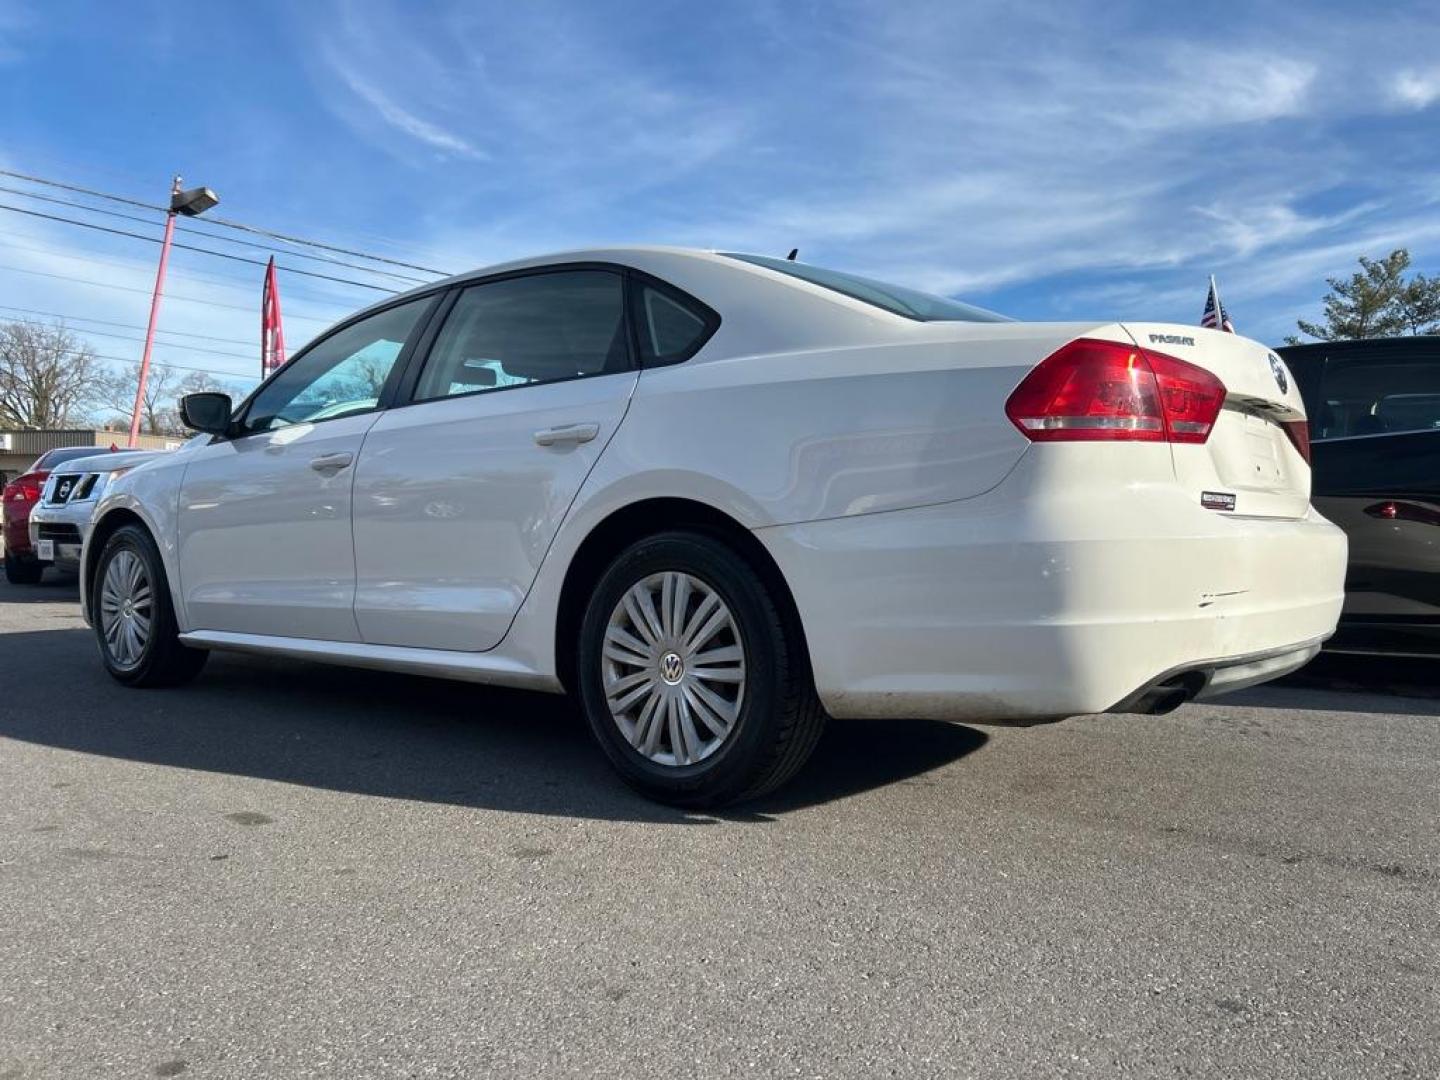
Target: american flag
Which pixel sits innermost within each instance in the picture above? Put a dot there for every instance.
(1214, 317)
(272, 333)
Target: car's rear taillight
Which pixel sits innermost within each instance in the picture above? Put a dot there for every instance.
(1092, 390)
(23, 489)
(1298, 431)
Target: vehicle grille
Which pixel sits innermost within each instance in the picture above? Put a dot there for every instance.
(60, 532)
(72, 487)
(65, 486)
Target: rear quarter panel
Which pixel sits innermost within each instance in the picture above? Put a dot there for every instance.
(835, 431)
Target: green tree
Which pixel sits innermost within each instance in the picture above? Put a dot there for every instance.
(1378, 301)
(1419, 302)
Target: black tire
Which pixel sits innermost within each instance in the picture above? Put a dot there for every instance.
(780, 717)
(163, 660)
(22, 571)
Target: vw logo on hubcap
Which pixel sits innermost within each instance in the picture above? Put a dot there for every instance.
(672, 668)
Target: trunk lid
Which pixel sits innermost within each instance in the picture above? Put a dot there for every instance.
(1249, 455)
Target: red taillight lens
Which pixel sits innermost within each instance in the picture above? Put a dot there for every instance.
(1090, 390)
(1299, 434)
(22, 489)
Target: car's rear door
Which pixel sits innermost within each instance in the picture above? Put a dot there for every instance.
(459, 492)
(264, 517)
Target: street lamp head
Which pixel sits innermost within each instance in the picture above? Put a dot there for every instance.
(192, 202)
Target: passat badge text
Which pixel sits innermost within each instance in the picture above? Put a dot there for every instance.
(1171, 339)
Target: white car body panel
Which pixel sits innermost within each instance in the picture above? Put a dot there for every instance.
(456, 505)
(264, 539)
(942, 564)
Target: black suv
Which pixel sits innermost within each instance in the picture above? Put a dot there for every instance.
(1374, 410)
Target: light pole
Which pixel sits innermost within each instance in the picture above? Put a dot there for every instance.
(190, 203)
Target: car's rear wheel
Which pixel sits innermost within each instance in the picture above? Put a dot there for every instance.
(133, 617)
(22, 571)
(694, 682)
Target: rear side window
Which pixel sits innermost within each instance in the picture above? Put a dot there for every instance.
(527, 330)
(1376, 395)
(669, 326)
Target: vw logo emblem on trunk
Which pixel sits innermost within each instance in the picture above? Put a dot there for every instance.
(1278, 370)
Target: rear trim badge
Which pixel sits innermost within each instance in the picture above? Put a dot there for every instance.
(1217, 500)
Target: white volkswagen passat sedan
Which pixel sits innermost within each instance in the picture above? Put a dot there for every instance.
(720, 496)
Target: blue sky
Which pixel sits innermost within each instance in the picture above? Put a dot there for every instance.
(1049, 160)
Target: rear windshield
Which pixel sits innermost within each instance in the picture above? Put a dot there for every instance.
(896, 299)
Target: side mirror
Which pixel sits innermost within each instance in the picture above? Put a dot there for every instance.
(208, 412)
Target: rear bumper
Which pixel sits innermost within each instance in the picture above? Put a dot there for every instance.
(1010, 607)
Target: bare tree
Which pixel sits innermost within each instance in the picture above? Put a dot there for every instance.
(116, 393)
(160, 411)
(47, 375)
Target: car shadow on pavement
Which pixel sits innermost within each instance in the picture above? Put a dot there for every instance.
(401, 736)
(54, 588)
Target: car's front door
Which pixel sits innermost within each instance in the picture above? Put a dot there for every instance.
(264, 517)
(459, 493)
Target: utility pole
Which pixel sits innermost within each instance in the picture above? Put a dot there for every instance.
(190, 203)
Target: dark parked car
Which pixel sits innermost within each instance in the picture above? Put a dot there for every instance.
(1374, 410)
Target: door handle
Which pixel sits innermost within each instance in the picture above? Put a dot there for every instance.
(567, 433)
(331, 463)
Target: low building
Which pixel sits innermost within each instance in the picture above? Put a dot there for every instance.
(19, 448)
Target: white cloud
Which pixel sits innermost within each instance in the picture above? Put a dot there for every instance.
(1416, 89)
(407, 122)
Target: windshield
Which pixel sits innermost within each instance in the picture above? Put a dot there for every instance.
(896, 299)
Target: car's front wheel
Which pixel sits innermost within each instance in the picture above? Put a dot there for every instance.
(694, 681)
(133, 617)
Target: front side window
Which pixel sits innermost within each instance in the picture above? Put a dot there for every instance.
(1360, 395)
(534, 329)
(342, 375)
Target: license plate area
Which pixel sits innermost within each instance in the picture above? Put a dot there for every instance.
(45, 550)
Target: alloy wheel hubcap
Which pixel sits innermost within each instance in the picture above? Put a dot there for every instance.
(673, 668)
(126, 608)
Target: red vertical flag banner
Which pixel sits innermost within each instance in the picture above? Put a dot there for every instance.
(272, 332)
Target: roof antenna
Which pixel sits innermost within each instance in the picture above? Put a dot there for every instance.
(793, 253)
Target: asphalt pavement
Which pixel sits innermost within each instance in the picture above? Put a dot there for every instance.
(287, 870)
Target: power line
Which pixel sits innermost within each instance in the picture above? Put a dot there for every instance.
(163, 363)
(226, 223)
(171, 344)
(121, 325)
(147, 292)
(190, 247)
(191, 275)
(324, 260)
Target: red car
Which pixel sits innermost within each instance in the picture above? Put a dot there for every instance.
(19, 496)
